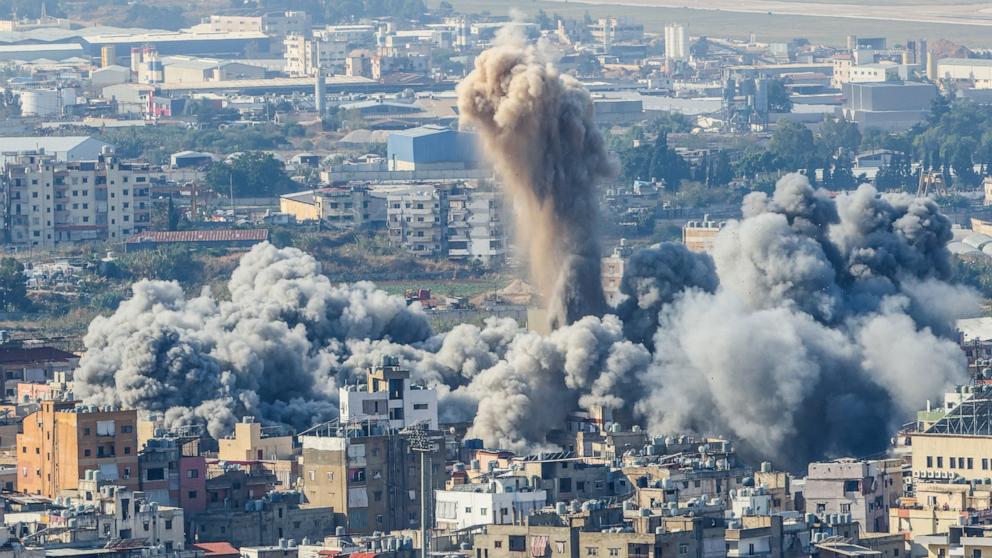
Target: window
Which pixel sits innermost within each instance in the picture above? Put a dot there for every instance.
(940, 462)
(127, 450)
(614, 552)
(468, 509)
(929, 462)
(127, 472)
(592, 551)
(985, 464)
(483, 511)
(954, 463)
(420, 406)
(313, 475)
(971, 463)
(517, 543)
(168, 524)
(498, 544)
(193, 474)
(851, 486)
(191, 495)
(683, 549)
(155, 473)
(87, 452)
(821, 508)
(845, 508)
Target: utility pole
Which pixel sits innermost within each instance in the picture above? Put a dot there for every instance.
(421, 442)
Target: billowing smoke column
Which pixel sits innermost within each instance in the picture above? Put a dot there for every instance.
(813, 329)
(537, 126)
(273, 350)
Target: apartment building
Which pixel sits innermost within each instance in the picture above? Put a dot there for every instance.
(565, 541)
(417, 218)
(62, 440)
(476, 226)
(612, 30)
(51, 203)
(864, 489)
(305, 55)
(35, 365)
(498, 502)
(389, 396)
(277, 515)
(368, 474)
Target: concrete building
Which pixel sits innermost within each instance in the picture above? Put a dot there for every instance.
(189, 69)
(417, 218)
(959, 540)
(35, 365)
(62, 441)
(367, 473)
(564, 541)
(864, 489)
(612, 30)
(476, 228)
(51, 203)
(263, 522)
(339, 207)
(612, 273)
(389, 397)
(966, 72)
(873, 73)
(304, 56)
(502, 501)
(251, 442)
(431, 147)
(699, 236)
(676, 42)
(892, 105)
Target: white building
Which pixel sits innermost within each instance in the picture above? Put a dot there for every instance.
(304, 55)
(65, 148)
(501, 501)
(972, 71)
(475, 226)
(389, 395)
(748, 501)
(676, 42)
(873, 73)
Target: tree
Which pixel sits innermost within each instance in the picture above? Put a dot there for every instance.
(667, 165)
(793, 146)
(839, 134)
(778, 97)
(251, 174)
(13, 286)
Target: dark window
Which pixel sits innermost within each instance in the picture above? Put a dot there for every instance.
(851, 486)
(156, 473)
(518, 543)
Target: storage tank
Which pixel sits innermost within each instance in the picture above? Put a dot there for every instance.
(41, 102)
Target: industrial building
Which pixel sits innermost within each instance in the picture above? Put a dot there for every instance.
(892, 105)
(431, 148)
(968, 72)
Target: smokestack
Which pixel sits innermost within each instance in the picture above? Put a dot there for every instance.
(320, 92)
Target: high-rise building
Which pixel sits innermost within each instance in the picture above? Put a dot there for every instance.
(62, 441)
(676, 42)
(51, 203)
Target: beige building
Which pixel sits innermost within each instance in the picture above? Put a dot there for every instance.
(51, 203)
(251, 443)
(699, 236)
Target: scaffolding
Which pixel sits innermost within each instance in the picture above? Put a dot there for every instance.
(973, 417)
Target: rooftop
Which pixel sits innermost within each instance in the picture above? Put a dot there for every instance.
(218, 235)
(19, 355)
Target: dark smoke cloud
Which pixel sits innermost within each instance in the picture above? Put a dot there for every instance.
(538, 128)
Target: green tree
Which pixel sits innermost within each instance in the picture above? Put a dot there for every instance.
(793, 146)
(778, 96)
(251, 174)
(667, 165)
(13, 285)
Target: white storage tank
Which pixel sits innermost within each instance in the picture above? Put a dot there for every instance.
(41, 102)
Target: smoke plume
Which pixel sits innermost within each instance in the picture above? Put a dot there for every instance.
(537, 126)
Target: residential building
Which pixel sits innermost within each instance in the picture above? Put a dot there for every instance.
(368, 474)
(305, 55)
(36, 365)
(500, 501)
(51, 203)
(476, 225)
(62, 440)
(390, 397)
(959, 540)
(864, 489)
(253, 442)
(339, 207)
(263, 522)
(563, 476)
(759, 536)
(569, 541)
(612, 273)
(700, 236)
(873, 73)
(417, 218)
(956, 445)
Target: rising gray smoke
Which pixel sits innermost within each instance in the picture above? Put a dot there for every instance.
(827, 328)
(272, 350)
(537, 126)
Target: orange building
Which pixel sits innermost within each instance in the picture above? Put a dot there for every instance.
(61, 441)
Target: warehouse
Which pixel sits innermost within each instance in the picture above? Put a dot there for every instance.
(431, 148)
